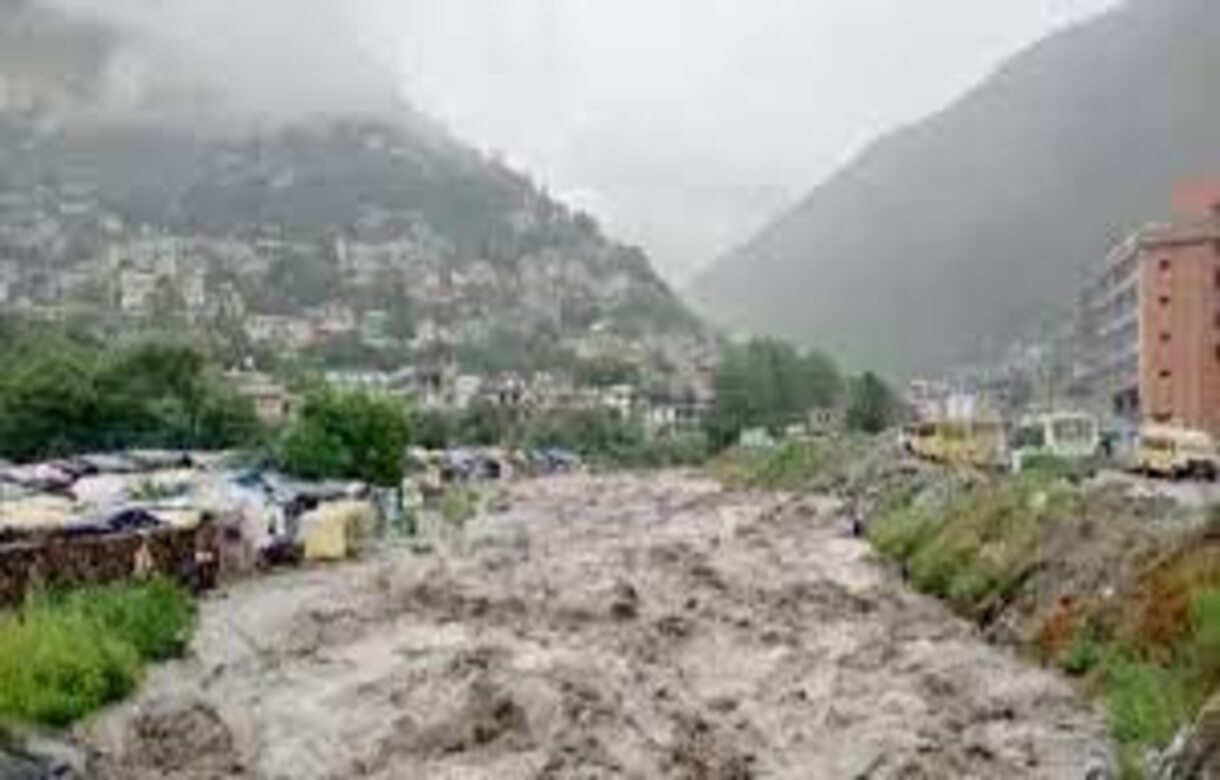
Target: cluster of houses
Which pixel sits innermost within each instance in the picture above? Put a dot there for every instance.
(521, 396)
(394, 285)
(543, 393)
(190, 516)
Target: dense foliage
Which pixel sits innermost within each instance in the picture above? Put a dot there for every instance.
(770, 384)
(63, 394)
(63, 656)
(347, 435)
(871, 405)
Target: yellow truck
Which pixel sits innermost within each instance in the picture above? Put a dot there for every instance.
(977, 443)
(1173, 452)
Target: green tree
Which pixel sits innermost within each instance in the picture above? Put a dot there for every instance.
(62, 394)
(821, 382)
(434, 430)
(170, 393)
(347, 435)
(48, 401)
(485, 424)
(872, 405)
(769, 383)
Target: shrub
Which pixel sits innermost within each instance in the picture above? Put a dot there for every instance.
(155, 618)
(1086, 651)
(1202, 651)
(1049, 468)
(63, 656)
(1147, 703)
(347, 435)
(55, 668)
(459, 506)
(804, 464)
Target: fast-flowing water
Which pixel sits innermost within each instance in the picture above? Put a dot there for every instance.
(642, 627)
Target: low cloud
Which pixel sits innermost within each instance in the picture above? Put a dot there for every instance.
(266, 59)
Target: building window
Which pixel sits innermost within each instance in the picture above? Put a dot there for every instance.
(1164, 301)
(1166, 337)
(1166, 374)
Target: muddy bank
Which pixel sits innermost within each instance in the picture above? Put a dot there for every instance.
(618, 627)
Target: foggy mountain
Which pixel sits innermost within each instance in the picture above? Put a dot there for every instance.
(948, 238)
(292, 189)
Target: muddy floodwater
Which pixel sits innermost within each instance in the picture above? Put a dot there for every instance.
(641, 627)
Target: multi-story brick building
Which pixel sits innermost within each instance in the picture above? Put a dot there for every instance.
(1153, 318)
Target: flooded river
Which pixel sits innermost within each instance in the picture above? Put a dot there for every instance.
(639, 627)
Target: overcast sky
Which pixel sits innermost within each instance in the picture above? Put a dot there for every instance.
(686, 124)
(683, 125)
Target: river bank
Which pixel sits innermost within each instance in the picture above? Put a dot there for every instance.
(1112, 581)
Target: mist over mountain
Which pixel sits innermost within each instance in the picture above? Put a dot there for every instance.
(269, 61)
(948, 238)
(273, 186)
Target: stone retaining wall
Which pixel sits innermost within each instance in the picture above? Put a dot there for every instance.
(58, 562)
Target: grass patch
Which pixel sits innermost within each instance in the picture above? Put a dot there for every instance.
(1201, 652)
(1150, 692)
(973, 548)
(1152, 655)
(63, 656)
(804, 464)
(1085, 652)
(459, 505)
(1147, 703)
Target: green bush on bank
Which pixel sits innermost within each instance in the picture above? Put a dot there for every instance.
(1148, 700)
(800, 464)
(974, 545)
(975, 548)
(63, 656)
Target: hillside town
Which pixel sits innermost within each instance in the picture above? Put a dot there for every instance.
(546, 315)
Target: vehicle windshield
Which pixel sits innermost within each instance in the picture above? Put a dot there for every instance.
(1157, 444)
(1031, 437)
(1073, 430)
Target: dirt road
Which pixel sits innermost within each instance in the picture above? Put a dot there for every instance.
(612, 627)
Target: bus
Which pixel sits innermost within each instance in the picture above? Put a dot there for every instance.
(1066, 436)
